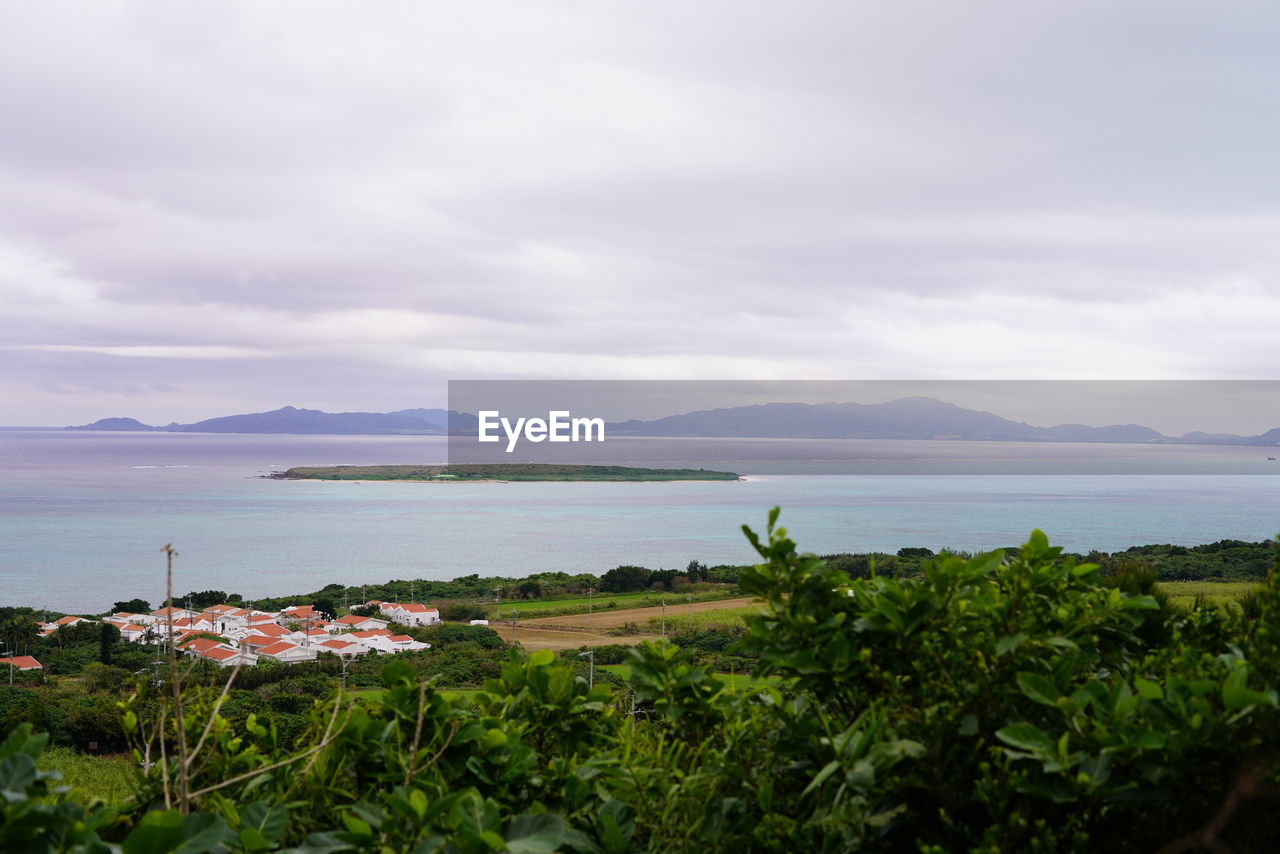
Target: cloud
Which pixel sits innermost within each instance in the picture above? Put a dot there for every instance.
(358, 203)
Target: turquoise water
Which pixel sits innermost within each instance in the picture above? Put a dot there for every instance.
(83, 516)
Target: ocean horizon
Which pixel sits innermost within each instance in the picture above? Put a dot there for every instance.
(83, 515)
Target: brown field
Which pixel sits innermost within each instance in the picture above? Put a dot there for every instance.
(540, 637)
(639, 616)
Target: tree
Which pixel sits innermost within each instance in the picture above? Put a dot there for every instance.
(107, 637)
(326, 605)
(132, 606)
(19, 633)
(204, 598)
(625, 579)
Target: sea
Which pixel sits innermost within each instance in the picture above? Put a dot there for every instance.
(84, 515)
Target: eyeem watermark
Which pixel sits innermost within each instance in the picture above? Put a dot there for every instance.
(558, 426)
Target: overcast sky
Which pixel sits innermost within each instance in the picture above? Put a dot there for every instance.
(218, 207)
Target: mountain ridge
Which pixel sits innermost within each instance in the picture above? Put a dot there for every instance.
(905, 418)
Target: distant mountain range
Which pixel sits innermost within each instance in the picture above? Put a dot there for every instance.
(908, 418)
(289, 419)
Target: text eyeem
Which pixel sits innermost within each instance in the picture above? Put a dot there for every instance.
(558, 426)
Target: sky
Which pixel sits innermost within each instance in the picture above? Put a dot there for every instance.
(219, 207)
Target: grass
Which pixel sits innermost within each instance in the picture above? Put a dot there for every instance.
(103, 778)
(677, 621)
(1184, 593)
(531, 608)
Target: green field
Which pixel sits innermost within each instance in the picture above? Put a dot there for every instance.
(1184, 593)
(105, 778)
(499, 472)
(531, 608)
(679, 621)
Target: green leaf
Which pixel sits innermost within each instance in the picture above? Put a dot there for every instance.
(535, 834)
(1008, 643)
(369, 813)
(541, 658)
(398, 672)
(1030, 738)
(253, 841)
(17, 772)
(827, 770)
(1148, 690)
(322, 843)
(168, 832)
(202, 832)
(1039, 688)
(267, 820)
(160, 831)
(1237, 695)
(356, 826)
(1151, 740)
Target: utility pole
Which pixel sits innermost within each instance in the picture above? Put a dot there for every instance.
(591, 592)
(513, 625)
(664, 616)
(690, 599)
(590, 656)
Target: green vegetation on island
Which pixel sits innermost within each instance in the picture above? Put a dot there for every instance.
(500, 472)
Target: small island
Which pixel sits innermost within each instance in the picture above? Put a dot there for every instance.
(499, 472)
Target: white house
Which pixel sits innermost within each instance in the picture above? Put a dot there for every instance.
(287, 652)
(185, 624)
(305, 637)
(162, 614)
(409, 613)
(360, 624)
(261, 636)
(222, 653)
(228, 657)
(340, 647)
(49, 628)
(132, 632)
(381, 640)
(225, 619)
(300, 614)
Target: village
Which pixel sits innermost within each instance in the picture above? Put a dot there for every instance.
(230, 635)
